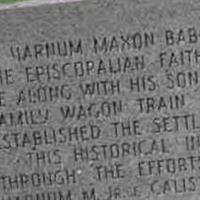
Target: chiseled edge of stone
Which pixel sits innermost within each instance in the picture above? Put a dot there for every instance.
(33, 3)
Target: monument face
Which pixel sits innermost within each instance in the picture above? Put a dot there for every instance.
(100, 100)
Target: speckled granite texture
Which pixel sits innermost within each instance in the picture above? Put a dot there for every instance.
(99, 100)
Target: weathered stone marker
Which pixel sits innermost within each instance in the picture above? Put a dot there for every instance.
(100, 100)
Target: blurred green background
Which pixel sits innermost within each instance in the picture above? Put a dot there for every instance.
(10, 1)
